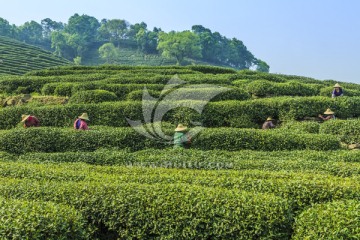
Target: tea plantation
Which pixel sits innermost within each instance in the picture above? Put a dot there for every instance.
(297, 181)
(18, 58)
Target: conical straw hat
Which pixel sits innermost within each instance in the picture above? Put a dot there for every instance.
(180, 128)
(337, 85)
(269, 119)
(24, 117)
(84, 116)
(328, 112)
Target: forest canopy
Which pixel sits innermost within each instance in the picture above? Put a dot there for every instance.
(81, 33)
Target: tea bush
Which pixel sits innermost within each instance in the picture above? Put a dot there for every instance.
(21, 219)
(335, 220)
(62, 140)
(164, 210)
(262, 88)
(215, 114)
(329, 162)
(347, 130)
(303, 127)
(93, 96)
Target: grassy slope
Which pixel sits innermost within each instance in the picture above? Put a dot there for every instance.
(17, 57)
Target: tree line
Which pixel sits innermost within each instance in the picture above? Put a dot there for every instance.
(72, 40)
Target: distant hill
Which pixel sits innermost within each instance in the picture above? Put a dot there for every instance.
(17, 57)
(131, 56)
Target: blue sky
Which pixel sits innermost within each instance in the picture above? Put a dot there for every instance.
(314, 38)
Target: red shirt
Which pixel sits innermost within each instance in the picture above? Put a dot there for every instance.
(80, 124)
(32, 122)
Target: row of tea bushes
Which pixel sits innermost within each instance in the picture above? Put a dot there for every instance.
(329, 162)
(101, 206)
(265, 88)
(34, 219)
(93, 96)
(349, 92)
(184, 158)
(300, 189)
(303, 127)
(10, 84)
(63, 70)
(122, 91)
(262, 88)
(18, 58)
(348, 130)
(133, 210)
(334, 220)
(214, 114)
(62, 140)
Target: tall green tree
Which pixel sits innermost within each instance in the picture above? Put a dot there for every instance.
(109, 52)
(147, 40)
(210, 44)
(239, 57)
(6, 29)
(262, 66)
(61, 46)
(114, 30)
(135, 28)
(79, 34)
(84, 26)
(31, 32)
(68, 45)
(221, 50)
(49, 26)
(179, 45)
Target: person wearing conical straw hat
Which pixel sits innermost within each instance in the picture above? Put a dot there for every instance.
(182, 138)
(30, 121)
(337, 92)
(268, 124)
(81, 122)
(328, 115)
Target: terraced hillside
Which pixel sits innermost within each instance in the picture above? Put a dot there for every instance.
(297, 181)
(18, 58)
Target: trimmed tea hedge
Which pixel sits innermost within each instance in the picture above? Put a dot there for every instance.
(22, 219)
(300, 189)
(329, 162)
(327, 91)
(62, 140)
(303, 127)
(18, 57)
(121, 90)
(195, 93)
(282, 108)
(347, 130)
(335, 220)
(215, 114)
(168, 70)
(137, 95)
(93, 96)
(164, 210)
(263, 88)
(9, 84)
(235, 139)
